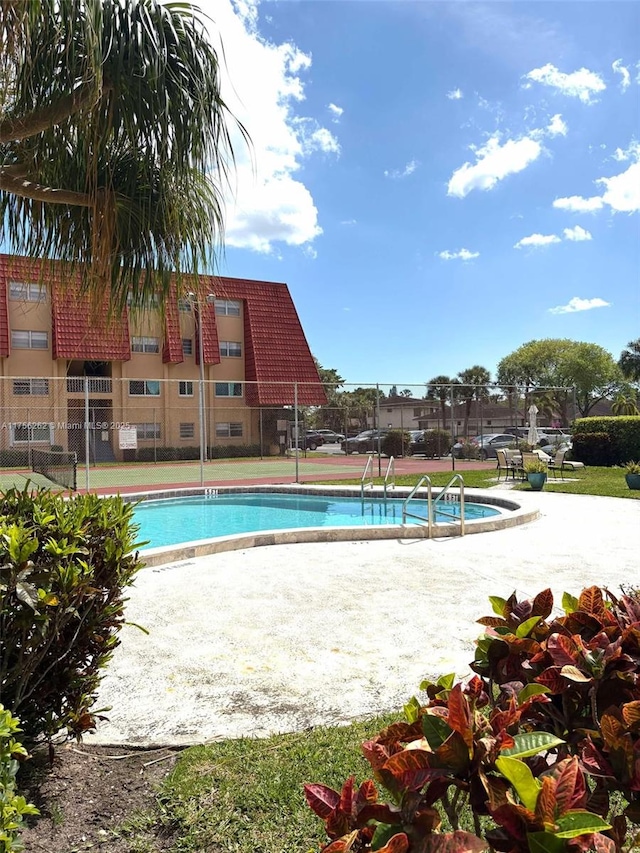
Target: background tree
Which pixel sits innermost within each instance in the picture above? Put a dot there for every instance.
(359, 405)
(626, 401)
(559, 365)
(114, 139)
(473, 386)
(629, 361)
(331, 415)
(439, 388)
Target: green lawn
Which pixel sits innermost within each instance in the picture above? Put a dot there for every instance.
(608, 482)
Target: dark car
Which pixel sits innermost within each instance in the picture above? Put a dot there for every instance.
(312, 441)
(428, 442)
(365, 442)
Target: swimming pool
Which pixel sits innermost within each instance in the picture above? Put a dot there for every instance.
(173, 521)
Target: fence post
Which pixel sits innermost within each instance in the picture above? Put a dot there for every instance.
(297, 429)
(86, 433)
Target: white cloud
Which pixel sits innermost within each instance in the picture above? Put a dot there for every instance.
(577, 234)
(409, 169)
(619, 68)
(557, 127)
(455, 95)
(578, 204)
(621, 192)
(336, 112)
(582, 84)
(461, 255)
(262, 83)
(578, 304)
(536, 241)
(349, 222)
(494, 162)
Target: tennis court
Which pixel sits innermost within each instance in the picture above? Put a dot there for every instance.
(112, 477)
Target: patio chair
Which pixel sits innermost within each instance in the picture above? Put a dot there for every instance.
(558, 463)
(504, 465)
(514, 459)
(528, 456)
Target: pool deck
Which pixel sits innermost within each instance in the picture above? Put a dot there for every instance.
(279, 638)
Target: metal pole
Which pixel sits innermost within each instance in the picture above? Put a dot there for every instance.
(261, 436)
(453, 439)
(297, 429)
(378, 420)
(86, 433)
(201, 391)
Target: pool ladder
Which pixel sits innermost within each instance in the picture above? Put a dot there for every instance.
(432, 503)
(389, 477)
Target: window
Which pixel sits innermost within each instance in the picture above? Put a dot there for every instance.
(27, 292)
(228, 430)
(30, 340)
(34, 387)
(232, 349)
(187, 346)
(184, 306)
(145, 302)
(417, 412)
(147, 431)
(187, 430)
(144, 388)
(228, 307)
(28, 433)
(185, 389)
(228, 389)
(142, 344)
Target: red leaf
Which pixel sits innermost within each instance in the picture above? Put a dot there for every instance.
(452, 842)
(491, 621)
(567, 781)
(595, 763)
(397, 844)
(346, 796)
(546, 803)
(552, 679)
(542, 604)
(376, 754)
(562, 650)
(459, 718)
(367, 794)
(322, 800)
(341, 845)
(602, 844)
(592, 602)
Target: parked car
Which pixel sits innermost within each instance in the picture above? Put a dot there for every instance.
(423, 442)
(312, 441)
(330, 437)
(556, 435)
(364, 442)
(488, 444)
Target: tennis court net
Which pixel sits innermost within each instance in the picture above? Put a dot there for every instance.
(59, 466)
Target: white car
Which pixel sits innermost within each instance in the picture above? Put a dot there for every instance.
(330, 437)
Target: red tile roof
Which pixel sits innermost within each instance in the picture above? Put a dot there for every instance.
(276, 351)
(172, 346)
(87, 331)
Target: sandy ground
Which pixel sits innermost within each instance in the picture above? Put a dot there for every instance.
(279, 638)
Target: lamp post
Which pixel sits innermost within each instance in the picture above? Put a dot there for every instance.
(197, 307)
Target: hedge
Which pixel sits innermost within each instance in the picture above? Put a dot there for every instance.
(623, 432)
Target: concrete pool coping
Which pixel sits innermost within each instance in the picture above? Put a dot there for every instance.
(263, 640)
(516, 514)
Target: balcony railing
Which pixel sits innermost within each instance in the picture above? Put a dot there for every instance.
(97, 385)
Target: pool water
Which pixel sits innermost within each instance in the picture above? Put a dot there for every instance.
(174, 520)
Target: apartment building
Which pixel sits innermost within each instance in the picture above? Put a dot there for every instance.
(76, 377)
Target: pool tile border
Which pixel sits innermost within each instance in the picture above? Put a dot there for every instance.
(204, 547)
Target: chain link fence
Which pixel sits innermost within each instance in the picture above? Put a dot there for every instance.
(130, 433)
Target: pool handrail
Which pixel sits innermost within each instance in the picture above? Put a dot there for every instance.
(391, 471)
(368, 468)
(441, 496)
(405, 512)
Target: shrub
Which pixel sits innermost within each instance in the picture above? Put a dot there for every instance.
(632, 467)
(14, 458)
(533, 743)
(13, 807)
(64, 565)
(623, 432)
(437, 442)
(592, 448)
(395, 443)
(469, 450)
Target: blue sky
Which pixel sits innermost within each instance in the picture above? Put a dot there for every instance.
(438, 182)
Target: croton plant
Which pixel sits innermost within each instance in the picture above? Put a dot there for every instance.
(540, 746)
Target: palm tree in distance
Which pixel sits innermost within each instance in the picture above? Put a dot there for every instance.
(629, 361)
(440, 388)
(115, 143)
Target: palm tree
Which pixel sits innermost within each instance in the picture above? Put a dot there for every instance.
(473, 386)
(629, 361)
(440, 388)
(114, 139)
(625, 402)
